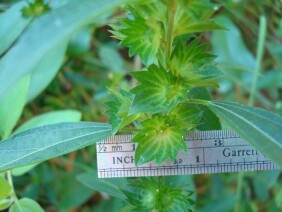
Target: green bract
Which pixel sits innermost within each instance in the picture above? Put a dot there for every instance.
(159, 91)
(193, 63)
(142, 31)
(119, 106)
(160, 139)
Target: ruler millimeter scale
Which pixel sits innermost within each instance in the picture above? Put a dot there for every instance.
(208, 152)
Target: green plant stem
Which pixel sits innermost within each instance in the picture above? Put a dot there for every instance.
(198, 102)
(169, 34)
(129, 130)
(260, 51)
(240, 180)
(10, 180)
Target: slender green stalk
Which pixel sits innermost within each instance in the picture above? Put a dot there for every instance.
(198, 101)
(169, 34)
(260, 51)
(10, 180)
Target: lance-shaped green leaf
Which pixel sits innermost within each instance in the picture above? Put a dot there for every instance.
(260, 128)
(42, 143)
(41, 120)
(53, 28)
(159, 91)
(160, 139)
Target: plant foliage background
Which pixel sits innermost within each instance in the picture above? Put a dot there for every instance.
(92, 65)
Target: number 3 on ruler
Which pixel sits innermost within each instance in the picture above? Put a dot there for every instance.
(218, 142)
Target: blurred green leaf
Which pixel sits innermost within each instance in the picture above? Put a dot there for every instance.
(42, 143)
(80, 42)
(26, 205)
(278, 198)
(113, 205)
(217, 187)
(6, 189)
(230, 47)
(32, 191)
(263, 181)
(50, 118)
(275, 50)
(5, 203)
(75, 193)
(111, 59)
(46, 70)
(12, 24)
(23, 169)
(271, 80)
(54, 28)
(110, 186)
(11, 106)
(233, 56)
(223, 204)
(259, 127)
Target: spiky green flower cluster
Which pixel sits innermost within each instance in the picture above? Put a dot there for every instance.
(162, 33)
(150, 194)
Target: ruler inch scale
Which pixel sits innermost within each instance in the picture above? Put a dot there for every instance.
(216, 151)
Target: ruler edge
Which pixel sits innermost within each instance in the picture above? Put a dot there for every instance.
(192, 134)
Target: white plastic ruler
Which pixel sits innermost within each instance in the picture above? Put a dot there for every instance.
(208, 152)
